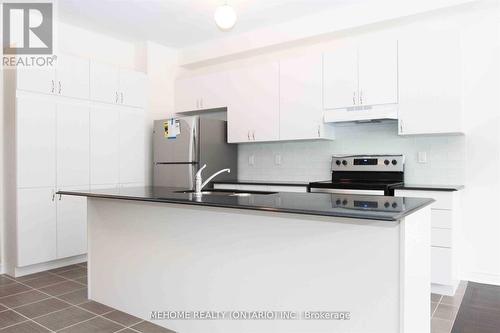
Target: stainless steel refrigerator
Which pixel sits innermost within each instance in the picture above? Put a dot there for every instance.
(182, 145)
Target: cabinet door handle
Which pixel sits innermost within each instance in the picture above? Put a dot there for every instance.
(401, 126)
(248, 135)
(53, 87)
(53, 195)
(60, 87)
(354, 98)
(60, 197)
(253, 135)
(361, 97)
(319, 131)
(121, 96)
(116, 97)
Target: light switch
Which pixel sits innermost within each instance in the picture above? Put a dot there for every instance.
(251, 160)
(277, 159)
(422, 157)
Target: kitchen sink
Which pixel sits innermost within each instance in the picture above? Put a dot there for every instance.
(230, 193)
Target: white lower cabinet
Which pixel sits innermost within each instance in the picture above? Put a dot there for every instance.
(71, 224)
(445, 223)
(442, 266)
(36, 225)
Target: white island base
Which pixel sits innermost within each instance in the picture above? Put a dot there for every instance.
(147, 256)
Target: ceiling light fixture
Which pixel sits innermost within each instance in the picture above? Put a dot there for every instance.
(225, 17)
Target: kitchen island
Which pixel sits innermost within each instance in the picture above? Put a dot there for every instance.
(292, 262)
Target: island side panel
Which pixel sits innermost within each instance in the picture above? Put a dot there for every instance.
(416, 272)
(147, 257)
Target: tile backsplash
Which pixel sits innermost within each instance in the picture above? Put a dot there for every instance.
(310, 160)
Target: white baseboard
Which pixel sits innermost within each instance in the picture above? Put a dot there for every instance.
(441, 289)
(486, 278)
(26, 270)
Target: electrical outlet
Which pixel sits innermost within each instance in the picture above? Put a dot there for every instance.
(277, 159)
(251, 160)
(422, 157)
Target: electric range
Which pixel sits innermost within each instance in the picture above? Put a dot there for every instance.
(363, 175)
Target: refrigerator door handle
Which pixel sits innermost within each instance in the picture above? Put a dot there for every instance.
(193, 153)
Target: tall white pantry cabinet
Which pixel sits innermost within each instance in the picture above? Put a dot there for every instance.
(59, 135)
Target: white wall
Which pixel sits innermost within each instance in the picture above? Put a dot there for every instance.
(311, 161)
(162, 68)
(473, 159)
(98, 46)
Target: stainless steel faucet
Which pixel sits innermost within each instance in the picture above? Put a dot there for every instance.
(198, 182)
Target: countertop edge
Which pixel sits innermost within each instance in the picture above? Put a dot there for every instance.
(395, 218)
(437, 188)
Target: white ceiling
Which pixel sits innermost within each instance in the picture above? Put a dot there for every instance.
(181, 23)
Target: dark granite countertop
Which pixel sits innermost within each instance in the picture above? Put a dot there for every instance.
(422, 187)
(263, 182)
(323, 204)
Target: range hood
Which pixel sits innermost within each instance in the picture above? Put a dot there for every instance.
(362, 113)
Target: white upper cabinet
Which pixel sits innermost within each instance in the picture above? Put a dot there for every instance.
(73, 144)
(363, 75)
(109, 84)
(68, 77)
(430, 84)
(378, 72)
(132, 145)
(104, 82)
(104, 144)
(133, 88)
(207, 91)
(72, 76)
(301, 99)
(40, 79)
(253, 110)
(340, 85)
(36, 142)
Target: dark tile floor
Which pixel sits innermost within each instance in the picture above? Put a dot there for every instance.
(480, 310)
(56, 301)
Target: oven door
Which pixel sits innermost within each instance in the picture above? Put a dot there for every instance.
(346, 191)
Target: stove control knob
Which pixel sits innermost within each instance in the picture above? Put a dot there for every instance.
(337, 162)
(344, 202)
(386, 162)
(338, 202)
(394, 205)
(344, 162)
(386, 205)
(394, 162)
